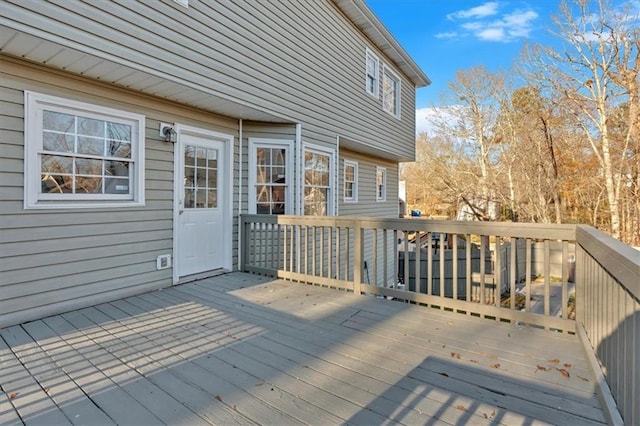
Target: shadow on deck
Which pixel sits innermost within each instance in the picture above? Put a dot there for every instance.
(241, 348)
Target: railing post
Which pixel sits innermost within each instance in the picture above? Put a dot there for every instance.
(244, 232)
(357, 258)
(580, 297)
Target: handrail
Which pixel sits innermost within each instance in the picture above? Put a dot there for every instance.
(608, 282)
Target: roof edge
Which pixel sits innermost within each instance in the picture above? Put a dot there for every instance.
(367, 21)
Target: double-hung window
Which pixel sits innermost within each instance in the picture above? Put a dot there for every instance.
(391, 92)
(350, 181)
(372, 68)
(270, 176)
(81, 155)
(381, 184)
(318, 176)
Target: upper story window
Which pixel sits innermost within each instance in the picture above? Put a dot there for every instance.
(350, 181)
(391, 92)
(270, 176)
(81, 155)
(372, 80)
(381, 184)
(318, 178)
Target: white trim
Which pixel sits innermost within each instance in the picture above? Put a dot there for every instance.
(251, 181)
(384, 184)
(376, 88)
(299, 169)
(398, 101)
(353, 163)
(331, 153)
(178, 164)
(34, 104)
(240, 177)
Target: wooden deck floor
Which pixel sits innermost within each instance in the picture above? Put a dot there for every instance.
(240, 348)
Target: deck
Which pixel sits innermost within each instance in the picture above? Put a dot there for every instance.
(241, 348)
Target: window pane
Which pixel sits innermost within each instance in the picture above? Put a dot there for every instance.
(262, 194)
(116, 186)
(201, 178)
(118, 149)
(189, 177)
(263, 156)
(277, 175)
(262, 174)
(116, 168)
(88, 185)
(119, 132)
(279, 156)
(201, 157)
(212, 199)
(189, 155)
(58, 121)
(90, 146)
(56, 184)
(201, 198)
(189, 198)
(212, 182)
(90, 127)
(88, 167)
(57, 164)
(57, 142)
(262, 208)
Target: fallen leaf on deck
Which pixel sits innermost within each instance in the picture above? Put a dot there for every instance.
(13, 395)
(540, 367)
(444, 374)
(218, 398)
(234, 407)
(461, 407)
(495, 366)
(489, 416)
(584, 379)
(553, 361)
(474, 361)
(455, 355)
(564, 372)
(566, 364)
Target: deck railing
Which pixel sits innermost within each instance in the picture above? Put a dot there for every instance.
(514, 272)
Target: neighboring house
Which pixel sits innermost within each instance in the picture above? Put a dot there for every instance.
(134, 134)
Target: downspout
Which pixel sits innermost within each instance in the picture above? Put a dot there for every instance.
(299, 171)
(240, 142)
(337, 178)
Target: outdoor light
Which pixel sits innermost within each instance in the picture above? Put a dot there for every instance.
(168, 132)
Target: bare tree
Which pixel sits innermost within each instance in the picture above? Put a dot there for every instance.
(595, 72)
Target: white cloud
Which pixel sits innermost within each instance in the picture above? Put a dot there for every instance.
(487, 9)
(451, 34)
(501, 26)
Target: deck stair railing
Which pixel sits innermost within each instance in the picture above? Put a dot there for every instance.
(566, 278)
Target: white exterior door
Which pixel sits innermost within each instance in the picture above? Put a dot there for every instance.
(203, 210)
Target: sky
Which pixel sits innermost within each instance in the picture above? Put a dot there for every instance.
(446, 36)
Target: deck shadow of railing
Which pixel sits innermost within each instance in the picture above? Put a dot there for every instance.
(338, 252)
(184, 344)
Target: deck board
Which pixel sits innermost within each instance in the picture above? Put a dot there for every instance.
(240, 348)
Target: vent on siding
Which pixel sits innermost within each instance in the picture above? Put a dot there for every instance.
(163, 261)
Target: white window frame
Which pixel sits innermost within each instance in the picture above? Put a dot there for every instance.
(331, 153)
(381, 189)
(354, 197)
(387, 72)
(35, 105)
(254, 144)
(375, 91)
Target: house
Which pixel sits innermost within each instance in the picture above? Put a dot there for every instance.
(135, 134)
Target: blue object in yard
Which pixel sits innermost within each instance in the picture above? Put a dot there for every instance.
(415, 213)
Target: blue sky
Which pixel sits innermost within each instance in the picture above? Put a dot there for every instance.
(446, 36)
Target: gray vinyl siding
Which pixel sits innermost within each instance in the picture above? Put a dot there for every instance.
(56, 260)
(301, 60)
(367, 204)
